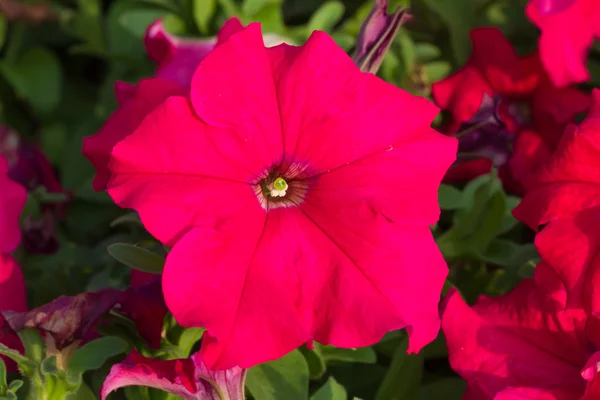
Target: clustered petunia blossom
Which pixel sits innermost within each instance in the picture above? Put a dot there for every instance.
(280, 182)
(568, 29)
(566, 200)
(542, 340)
(528, 104)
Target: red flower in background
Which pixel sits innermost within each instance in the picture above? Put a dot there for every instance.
(566, 199)
(530, 107)
(522, 345)
(288, 222)
(28, 166)
(569, 28)
(12, 298)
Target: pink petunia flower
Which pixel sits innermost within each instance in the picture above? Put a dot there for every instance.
(522, 345)
(12, 297)
(566, 199)
(298, 196)
(187, 378)
(533, 110)
(12, 202)
(177, 58)
(569, 28)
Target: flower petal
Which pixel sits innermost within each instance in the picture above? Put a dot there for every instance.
(172, 376)
(11, 204)
(519, 340)
(251, 119)
(97, 148)
(332, 113)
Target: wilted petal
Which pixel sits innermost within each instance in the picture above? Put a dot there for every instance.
(376, 35)
(67, 319)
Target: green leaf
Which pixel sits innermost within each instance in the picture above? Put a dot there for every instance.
(137, 257)
(362, 354)
(188, 339)
(285, 378)
(326, 17)
(450, 198)
(37, 77)
(437, 70)
(331, 390)
(478, 222)
(314, 359)
(15, 385)
(403, 377)
(505, 253)
(3, 26)
(251, 8)
(95, 353)
(83, 392)
(33, 343)
(447, 389)
(204, 11)
(458, 15)
(3, 384)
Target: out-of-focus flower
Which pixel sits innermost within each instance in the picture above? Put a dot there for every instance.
(178, 58)
(12, 202)
(280, 183)
(187, 378)
(28, 166)
(566, 199)
(376, 35)
(569, 27)
(12, 297)
(534, 110)
(522, 345)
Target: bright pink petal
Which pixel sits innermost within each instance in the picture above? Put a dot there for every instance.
(238, 96)
(97, 148)
(182, 168)
(229, 28)
(566, 38)
(12, 202)
(519, 340)
(536, 394)
(529, 153)
(570, 248)
(124, 92)
(12, 298)
(333, 114)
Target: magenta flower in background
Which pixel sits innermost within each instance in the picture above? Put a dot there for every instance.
(523, 345)
(298, 196)
(13, 298)
(28, 166)
(569, 28)
(12, 202)
(178, 58)
(187, 378)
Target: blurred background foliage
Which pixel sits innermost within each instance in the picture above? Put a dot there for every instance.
(58, 65)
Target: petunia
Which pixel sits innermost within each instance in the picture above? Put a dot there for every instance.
(177, 58)
(28, 166)
(522, 345)
(534, 110)
(297, 195)
(566, 200)
(187, 378)
(12, 297)
(12, 202)
(568, 29)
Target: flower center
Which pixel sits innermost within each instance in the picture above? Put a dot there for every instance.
(279, 189)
